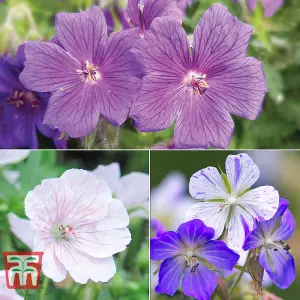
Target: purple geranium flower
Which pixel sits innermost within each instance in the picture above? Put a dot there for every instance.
(269, 239)
(89, 76)
(270, 6)
(183, 253)
(198, 88)
(21, 110)
(141, 13)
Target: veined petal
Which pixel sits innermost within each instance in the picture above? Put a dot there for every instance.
(199, 285)
(236, 231)
(194, 233)
(241, 172)
(48, 68)
(166, 246)
(82, 34)
(207, 184)
(262, 202)
(239, 86)
(218, 254)
(219, 37)
(160, 8)
(286, 228)
(279, 266)
(213, 214)
(22, 229)
(74, 110)
(132, 12)
(201, 123)
(110, 174)
(169, 276)
(254, 239)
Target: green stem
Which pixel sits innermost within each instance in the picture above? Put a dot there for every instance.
(240, 275)
(45, 287)
(26, 296)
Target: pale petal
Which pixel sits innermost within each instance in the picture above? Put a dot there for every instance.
(110, 174)
(133, 189)
(262, 202)
(207, 184)
(22, 229)
(236, 232)
(213, 214)
(8, 157)
(241, 172)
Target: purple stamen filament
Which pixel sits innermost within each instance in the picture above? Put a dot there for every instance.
(88, 72)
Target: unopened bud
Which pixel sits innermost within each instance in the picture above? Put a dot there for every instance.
(222, 289)
(256, 271)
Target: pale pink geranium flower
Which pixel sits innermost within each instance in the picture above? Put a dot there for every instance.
(132, 189)
(78, 225)
(5, 293)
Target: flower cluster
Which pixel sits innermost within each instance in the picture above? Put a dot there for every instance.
(150, 71)
(254, 222)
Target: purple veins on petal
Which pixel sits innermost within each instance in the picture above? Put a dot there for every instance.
(21, 109)
(194, 238)
(198, 90)
(87, 73)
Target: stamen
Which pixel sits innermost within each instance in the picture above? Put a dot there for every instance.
(20, 98)
(197, 82)
(89, 72)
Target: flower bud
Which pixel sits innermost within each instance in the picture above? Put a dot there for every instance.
(256, 271)
(222, 289)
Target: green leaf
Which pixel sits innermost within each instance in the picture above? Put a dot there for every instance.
(14, 258)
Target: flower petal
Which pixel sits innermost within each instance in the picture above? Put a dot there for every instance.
(169, 276)
(201, 123)
(236, 231)
(164, 52)
(213, 214)
(133, 14)
(241, 172)
(48, 68)
(166, 246)
(218, 254)
(262, 202)
(271, 6)
(219, 37)
(207, 184)
(82, 34)
(110, 174)
(74, 110)
(194, 233)
(254, 239)
(199, 285)
(8, 157)
(22, 229)
(133, 189)
(281, 268)
(160, 8)
(99, 269)
(157, 227)
(286, 228)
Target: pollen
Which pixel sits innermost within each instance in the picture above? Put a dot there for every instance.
(89, 72)
(197, 82)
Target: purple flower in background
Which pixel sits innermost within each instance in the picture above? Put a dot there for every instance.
(228, 201)
(269, 237)
(141, 13)
(187, 252)
(270, 6)
(21, 110)
(199, 88)
(183, 4)
(90, 76)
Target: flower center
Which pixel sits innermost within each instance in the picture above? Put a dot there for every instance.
(279, 246)
(88, 72)
(192, 262)
(197, 82)
(21, 98)
(232, 200)
(63, 232)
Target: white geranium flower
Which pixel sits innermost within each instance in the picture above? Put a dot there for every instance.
(77, 224)
(8, 157)
(132, 189)
(228, 201)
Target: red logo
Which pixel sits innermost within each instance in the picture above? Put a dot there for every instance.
(23, 269)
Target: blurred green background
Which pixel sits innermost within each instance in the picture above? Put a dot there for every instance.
(280, 169)
(276, 41)
(131, 280)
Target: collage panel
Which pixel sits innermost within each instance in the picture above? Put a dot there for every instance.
(224, 225)
(74, 225)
